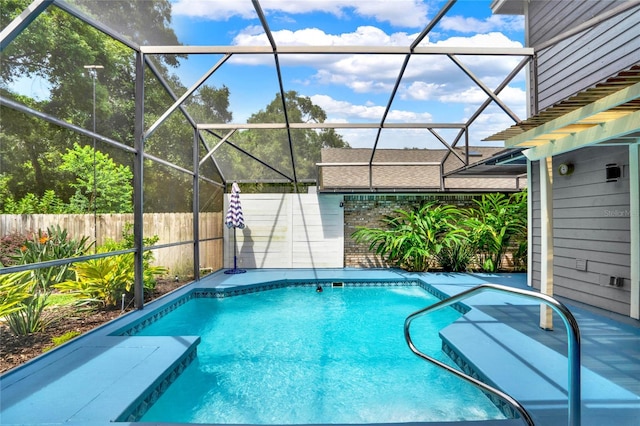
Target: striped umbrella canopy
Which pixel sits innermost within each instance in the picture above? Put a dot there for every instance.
(234, 218)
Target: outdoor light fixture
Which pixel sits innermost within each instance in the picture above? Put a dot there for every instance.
(565, 169)
(613, 172)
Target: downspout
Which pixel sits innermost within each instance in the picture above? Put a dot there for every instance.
(634, 202)
(529, 224)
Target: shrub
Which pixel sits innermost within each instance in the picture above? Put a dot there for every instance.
(102, 282)
(57, 341)
(10, 248)
(49, 203)
(29, 319)
(413, 239)
(14, 289)
(53, 244)
(496, 222)
(456, 257)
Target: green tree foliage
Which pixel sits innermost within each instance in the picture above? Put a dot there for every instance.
(113, 191)
(53, 50)
(272, 145)
(112, 183)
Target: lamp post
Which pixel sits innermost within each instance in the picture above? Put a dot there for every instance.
(93, 72)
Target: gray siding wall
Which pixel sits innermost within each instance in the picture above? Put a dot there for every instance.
(591, 223)
(586, 58)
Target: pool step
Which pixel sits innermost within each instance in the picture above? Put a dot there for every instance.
(537, 377)
(110, 377)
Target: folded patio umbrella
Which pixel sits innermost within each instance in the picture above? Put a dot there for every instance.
(235, 220)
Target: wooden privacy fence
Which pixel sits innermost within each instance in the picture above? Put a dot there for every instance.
(169, 227)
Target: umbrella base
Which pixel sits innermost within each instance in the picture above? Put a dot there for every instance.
(235, 271)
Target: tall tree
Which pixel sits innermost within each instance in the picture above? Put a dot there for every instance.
(54, 48)
(272, 146)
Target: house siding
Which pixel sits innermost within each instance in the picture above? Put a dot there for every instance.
(584, 59)
(591, 229)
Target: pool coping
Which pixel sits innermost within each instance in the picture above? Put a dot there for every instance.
(219, 284)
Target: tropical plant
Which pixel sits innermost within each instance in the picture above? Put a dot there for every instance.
(102, 282)
(520, 256)
(53, 244)
(494, 224)
(57, 341)
(14, 289)
(28, 318)
(413, 239)
(456, 256)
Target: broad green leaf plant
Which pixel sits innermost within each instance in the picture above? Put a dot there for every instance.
(451, 238)
(412, 239)
(496, 222)
(14, 289)
(102, 282)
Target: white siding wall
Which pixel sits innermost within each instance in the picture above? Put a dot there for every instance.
(288, 231)
(592, 224)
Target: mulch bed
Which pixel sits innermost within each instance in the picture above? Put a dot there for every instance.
(16, 350)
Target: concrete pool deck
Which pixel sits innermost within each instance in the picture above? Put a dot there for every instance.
(104, 376)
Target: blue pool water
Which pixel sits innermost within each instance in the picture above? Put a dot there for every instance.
(294, 356)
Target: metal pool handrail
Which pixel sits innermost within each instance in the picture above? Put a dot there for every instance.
(573, 344)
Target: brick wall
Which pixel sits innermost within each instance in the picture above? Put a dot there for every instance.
(368, 210)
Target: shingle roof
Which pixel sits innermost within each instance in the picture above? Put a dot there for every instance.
(403, 170)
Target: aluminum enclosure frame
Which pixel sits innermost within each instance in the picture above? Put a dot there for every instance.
(143, 58)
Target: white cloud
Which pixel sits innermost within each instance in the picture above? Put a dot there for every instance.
(513, 97)
(217, 10)
(401, 13)
(491, 121)
(365, 35)
(423, 91)
(343, 111)
(468, 25)
(371, 72)
(492, 39)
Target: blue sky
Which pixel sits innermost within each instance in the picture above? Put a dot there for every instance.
(356, 88)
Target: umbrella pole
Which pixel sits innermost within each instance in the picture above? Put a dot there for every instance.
(235, 250)
(235, 269)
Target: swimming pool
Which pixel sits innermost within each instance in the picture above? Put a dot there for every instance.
(295, 356)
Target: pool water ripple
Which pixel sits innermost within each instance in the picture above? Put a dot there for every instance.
(291, 355)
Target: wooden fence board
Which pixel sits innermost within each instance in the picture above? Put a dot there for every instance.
(169, 227)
